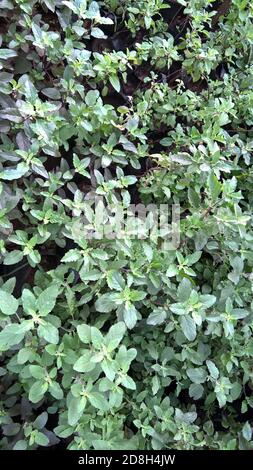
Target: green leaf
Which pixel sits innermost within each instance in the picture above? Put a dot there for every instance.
(105, 303)
(239, 313)
(47, 299)
(184, 290)
(178, 309)
(37, 372)
(84, 364)
(147, 21)
(188, 327)
(109, 369)
(157, 317)
(23, 355)
(28, 301)
(20, 445)
(98, 401)
(41, 439)
(13, 257)
(128, 382)
(84, 333)
(41, 420)
(8, 303)
(247, 431)
(130, 315)
(37, 391)
(172, 270)
(55, 390)
(214, 186)
(97, 338)
(214, 372)
(98, 33)
(13, 173)
(193, 258)
(11, 429)
(196, 391)
(136, 295)
(63, 431)
(182, 158)
(91, 97)
(115, 336)
(114, 81)
(76, 409)
(115, 281)
(71, 255)
(193, 197)
(13, 334)
(208, 300)
(52, 93)
(197, 376)
(100, 254)
(49, 332)
(7, 53)
(92, 275)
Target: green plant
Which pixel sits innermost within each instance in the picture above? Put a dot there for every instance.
(119, 342)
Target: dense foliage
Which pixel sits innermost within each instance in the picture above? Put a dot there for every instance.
(119, 343)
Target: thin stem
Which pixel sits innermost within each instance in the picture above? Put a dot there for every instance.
(16, 270)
